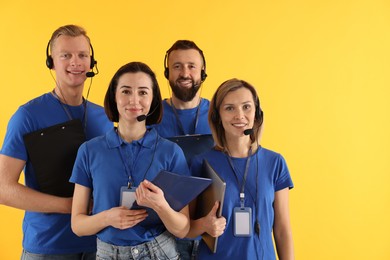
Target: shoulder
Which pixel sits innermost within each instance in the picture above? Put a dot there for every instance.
(166, 106)
(95, 109)
(211, 156)
(43, 101)
(93, 105)
(269, 154)
(94, 142)
(205, 104)
(168, 144)
(37, 113)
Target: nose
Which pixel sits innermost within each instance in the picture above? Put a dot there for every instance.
(239, 114)
(134, 99)
(75, 61)
(185, 72)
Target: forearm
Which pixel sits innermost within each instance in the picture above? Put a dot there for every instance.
(86, 225)
(282, 227)
(284, 245)
(177, 223)
(19, 196)
(197, 228)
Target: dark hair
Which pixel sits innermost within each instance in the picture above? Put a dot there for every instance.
(214, 118)
(184, 45)
(110, 105)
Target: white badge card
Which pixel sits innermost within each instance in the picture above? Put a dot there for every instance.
(127, 197)
(242, 222)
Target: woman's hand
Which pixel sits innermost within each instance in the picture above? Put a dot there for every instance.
(213, 225)
(123, 218)
(149, 195)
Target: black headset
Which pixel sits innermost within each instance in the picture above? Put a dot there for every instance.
(258, 113)
(50, 63)
(203, 74)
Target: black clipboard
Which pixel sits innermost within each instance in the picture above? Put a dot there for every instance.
(193, 144)
(179, 191)
(52, 152)
(205, 201)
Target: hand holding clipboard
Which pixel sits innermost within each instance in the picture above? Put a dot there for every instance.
(206, 202)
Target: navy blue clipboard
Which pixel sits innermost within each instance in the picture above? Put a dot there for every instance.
(193, 144)
(179, 191)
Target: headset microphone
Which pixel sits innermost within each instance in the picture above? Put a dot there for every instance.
(141, 118)
(248, 131)
(91, 74)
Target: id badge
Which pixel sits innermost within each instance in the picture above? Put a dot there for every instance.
(242, 222)
(127, 196)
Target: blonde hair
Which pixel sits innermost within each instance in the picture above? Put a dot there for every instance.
(68, 30)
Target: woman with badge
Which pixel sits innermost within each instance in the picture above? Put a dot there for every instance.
(115, 168)
(257, 180)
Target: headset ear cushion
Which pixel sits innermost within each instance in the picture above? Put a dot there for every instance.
(166, 73)
(93, 62)
(259, 115)
(49, 62)
(203, 75)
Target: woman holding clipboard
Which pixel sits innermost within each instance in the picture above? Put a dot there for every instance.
(121, 164)
(258, 181)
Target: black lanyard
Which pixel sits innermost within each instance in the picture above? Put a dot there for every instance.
(242, 189)
(179, 121)
(69, 114)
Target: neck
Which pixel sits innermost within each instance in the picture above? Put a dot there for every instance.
(131, 132)
(72, 97)
(179, 104)
(239, 147)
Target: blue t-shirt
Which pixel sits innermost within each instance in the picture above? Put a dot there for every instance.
(45, 233)
(101, 166)
(188, 119)
(267, 174)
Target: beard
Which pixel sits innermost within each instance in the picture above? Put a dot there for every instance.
(185, 94)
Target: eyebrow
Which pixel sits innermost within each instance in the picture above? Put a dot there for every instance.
(243, 103)
(140, 87)
(181, 63)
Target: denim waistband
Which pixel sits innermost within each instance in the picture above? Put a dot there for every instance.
(161, 247)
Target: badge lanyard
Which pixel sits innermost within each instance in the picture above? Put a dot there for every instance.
(242, 190)
(127, 169)
(68, 113)
(242, 208)
(179, 121)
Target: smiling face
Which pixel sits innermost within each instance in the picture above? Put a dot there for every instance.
(185, 68)
(237, 112)
(71, 58)
(134, 95)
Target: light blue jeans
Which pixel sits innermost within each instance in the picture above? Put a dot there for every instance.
(161, 247)
(81, 256)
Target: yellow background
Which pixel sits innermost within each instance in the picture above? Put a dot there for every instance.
(321, 69)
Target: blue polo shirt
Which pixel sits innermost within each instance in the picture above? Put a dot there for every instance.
(50, 233)
(267, 174)
(193, 122)
(101, 166)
